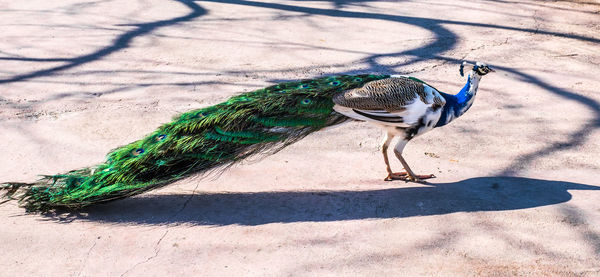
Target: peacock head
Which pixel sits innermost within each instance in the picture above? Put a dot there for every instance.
(480, 68)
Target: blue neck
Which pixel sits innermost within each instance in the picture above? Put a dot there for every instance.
(458, 104)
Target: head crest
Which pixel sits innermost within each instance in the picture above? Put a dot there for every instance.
(479, 67)
(462, 69)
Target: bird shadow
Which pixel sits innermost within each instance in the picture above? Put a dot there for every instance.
(482, 194)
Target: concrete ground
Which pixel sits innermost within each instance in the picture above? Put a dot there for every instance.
(517, 191)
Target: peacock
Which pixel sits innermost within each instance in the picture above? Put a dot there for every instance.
(262, 121)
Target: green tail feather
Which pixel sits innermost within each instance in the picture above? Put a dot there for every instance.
(260, 121)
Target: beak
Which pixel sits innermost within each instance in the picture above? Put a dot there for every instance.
(491, 70)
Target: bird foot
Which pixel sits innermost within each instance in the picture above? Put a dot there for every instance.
(407, 177)
(396, 176)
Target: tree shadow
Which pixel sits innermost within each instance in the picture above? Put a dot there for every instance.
(119, 43)
(471, 195)
(339, 4)
(544, 4)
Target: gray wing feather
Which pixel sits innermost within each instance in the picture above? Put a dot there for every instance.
(391, 94)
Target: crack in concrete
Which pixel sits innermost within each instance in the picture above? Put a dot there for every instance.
(189, 199)
(157, 245)
(86, 258)
(156, 252)
(536, 23)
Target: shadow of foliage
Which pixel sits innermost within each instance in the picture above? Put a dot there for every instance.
(121, 42)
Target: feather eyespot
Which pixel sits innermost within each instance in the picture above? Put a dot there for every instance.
(137, 152)
(201, 115)
(282, 91)
(358, 79)
(306, 101)
(161, 137)
(335, 83)
(304, 86)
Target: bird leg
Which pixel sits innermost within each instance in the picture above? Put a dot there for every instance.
(384, 147)
(409, 175)
(391, 175)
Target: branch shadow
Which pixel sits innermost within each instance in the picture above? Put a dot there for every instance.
(577, 137)
(483, 194)
(121, 42)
